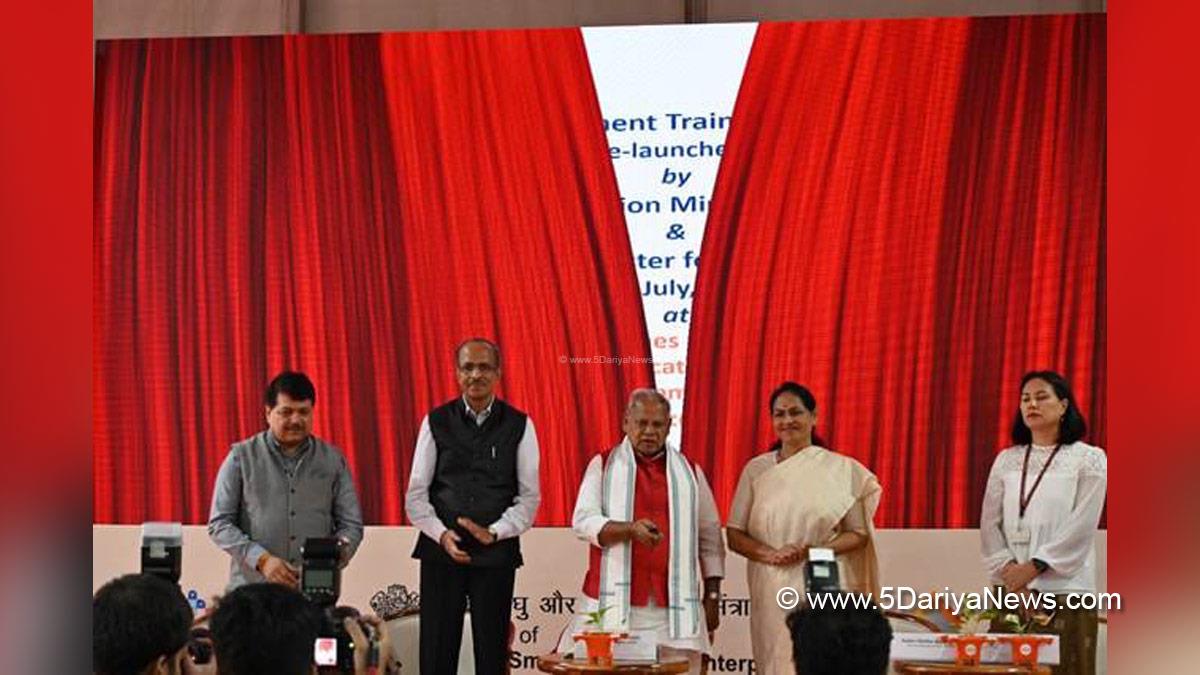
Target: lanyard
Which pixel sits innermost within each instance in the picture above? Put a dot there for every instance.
(1023, 499)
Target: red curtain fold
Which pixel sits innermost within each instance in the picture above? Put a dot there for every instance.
(352, 206)
(908, 216)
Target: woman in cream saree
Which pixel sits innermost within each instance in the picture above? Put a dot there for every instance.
(796, 497)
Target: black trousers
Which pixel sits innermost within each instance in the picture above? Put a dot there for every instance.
(445, 590)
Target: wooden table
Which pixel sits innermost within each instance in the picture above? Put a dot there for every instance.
(918, 668)
(558, 663)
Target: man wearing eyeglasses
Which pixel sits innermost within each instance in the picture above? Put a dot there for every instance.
(472, 492)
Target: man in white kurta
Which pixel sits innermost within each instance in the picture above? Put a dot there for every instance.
(651, 519)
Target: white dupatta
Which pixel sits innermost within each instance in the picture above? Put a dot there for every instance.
(684, 601)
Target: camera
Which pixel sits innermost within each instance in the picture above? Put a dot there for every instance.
(162, 556)
(334, 646)
(821, 572)
(321, 583)
(162, 550)
(199, 645)
(321, 571)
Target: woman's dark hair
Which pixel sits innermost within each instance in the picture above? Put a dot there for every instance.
(806, 397)
(1073, 428)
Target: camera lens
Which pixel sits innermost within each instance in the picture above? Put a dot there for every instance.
(200, 645)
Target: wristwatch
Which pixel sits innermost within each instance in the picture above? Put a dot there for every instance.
(495, 535)
(1040, 565)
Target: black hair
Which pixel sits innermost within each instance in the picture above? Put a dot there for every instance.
(840, 641)
(806, 397)
(293, 383)
(136, 619)
(264, 628)
(1073, 426)
(492, 346)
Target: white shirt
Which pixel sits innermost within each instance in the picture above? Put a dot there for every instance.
(1061, 518)
(590, 518)
(478, 417)
(515, 519)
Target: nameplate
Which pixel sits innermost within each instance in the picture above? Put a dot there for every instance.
(929, 647)
(639, 647)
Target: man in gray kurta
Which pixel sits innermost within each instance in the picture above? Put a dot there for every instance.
(280, 487)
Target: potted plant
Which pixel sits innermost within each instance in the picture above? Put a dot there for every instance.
(968, 644)
(599, 642)
(1024, 645)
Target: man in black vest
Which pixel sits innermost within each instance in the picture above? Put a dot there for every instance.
(472, 492)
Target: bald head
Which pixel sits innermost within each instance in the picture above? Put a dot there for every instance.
(465, 345)
(639, 397)
(647, 421)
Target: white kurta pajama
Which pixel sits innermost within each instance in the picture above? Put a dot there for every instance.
(603, 497)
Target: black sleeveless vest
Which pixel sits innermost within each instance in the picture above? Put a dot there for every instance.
(475, 476)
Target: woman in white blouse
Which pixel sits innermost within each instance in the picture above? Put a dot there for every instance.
(1041, 510)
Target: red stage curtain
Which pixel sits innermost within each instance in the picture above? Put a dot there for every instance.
(909, 215)
(351, 206)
